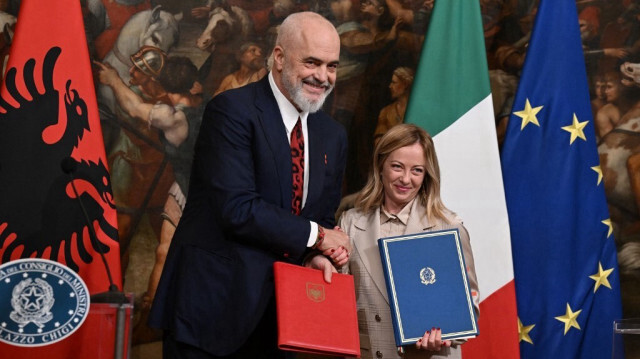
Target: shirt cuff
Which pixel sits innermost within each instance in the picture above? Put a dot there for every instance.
(313, 235)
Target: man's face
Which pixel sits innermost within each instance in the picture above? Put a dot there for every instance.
(371, 8)
(586, 30)
(138, 78)
(252, 58)
(612, 90)
(308, 67)
(599, 89)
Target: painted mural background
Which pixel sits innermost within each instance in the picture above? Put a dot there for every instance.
(214, 45)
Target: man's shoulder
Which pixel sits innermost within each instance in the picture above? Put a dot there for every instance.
(328, 123)
(244, 96)
(249, 90)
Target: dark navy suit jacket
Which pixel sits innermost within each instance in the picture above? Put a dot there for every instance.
(218, 275)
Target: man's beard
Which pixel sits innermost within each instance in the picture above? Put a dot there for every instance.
(297, 95)
(256, 64)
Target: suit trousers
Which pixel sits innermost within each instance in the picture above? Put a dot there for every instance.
(262, 343)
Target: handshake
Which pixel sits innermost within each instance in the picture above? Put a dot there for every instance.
(334, 246)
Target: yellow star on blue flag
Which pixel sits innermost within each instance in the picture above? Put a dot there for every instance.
(598, 170)
(528, 115)
(523, 332)
(576, 129)
(601, 277)
(570, 319)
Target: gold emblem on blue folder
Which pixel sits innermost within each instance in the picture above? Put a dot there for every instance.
(427, 276)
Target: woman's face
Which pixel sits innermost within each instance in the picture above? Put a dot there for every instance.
(402, 176)
(397, 87)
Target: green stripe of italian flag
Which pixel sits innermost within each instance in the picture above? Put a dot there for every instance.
(451, 99)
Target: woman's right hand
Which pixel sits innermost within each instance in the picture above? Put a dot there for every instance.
(336, 245)
(432, 341)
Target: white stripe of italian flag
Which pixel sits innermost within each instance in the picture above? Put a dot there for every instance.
(451, 99)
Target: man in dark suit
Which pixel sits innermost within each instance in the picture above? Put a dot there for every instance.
(253, 201)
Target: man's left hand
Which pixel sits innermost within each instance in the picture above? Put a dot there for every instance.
(321, 262)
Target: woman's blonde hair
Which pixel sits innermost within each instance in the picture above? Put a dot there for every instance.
(372, 195)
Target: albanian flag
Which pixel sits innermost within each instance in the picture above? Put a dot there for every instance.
(49, 126)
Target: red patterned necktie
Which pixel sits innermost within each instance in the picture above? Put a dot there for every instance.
(297, 167)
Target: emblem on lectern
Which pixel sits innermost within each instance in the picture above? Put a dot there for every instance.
(41, 302)
(31, 301)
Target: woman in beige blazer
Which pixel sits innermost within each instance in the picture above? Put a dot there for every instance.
(402, 196)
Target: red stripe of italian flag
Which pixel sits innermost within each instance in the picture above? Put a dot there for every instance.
(451, 99)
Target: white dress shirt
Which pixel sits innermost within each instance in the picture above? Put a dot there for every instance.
(290, 116)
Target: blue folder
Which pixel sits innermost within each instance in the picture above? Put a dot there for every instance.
(427, 285)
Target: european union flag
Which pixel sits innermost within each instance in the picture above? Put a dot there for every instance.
(564, 255)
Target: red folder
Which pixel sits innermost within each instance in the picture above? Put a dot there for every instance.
(315, 316)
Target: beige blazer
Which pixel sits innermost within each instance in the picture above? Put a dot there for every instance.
(374, 315)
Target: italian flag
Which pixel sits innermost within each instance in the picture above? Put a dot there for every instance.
(451, 99)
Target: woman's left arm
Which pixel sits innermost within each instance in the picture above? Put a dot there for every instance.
(471, 269)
